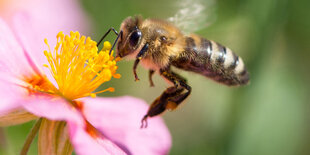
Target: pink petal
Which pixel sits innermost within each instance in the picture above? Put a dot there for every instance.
(32, 43)
(10, 97)
(120, 118)
(84, 144)
(53, 108)
(27, 37)
(12, 56)
(49, 16)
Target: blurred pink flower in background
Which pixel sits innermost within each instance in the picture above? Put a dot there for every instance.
(93, 125)
(48, 16)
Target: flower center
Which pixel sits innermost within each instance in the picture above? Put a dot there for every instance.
(39, 83)
(77, 66)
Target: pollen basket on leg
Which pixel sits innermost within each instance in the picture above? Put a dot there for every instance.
(77, 66)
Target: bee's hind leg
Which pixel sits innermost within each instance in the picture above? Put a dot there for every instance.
(160, 104)
(170, 98)
(179, 82)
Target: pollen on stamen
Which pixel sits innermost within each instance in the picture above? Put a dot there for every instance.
(77, 66)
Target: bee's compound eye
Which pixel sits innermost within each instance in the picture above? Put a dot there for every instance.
(134, 38)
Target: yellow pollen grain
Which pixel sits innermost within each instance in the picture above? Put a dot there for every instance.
(77, 66)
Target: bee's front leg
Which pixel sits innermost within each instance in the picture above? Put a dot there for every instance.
(170, 98)
(138, 58)
(135, 69)
(151, 73)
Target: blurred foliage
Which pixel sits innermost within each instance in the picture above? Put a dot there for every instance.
(269, 116)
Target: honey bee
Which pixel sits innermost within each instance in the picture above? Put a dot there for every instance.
(159, 45)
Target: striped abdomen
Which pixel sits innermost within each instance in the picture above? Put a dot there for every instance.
(212, 60)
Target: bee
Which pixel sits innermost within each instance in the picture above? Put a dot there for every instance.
(159, 45)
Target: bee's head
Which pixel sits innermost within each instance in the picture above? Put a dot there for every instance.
(131, 36)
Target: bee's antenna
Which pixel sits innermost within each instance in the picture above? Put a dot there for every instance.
(106, 35)
(120, 34)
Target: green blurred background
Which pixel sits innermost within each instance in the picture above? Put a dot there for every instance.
(268, 117)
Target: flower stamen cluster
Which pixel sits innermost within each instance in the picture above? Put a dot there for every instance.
(77, 66)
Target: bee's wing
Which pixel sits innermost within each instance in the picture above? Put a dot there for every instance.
(193, 15)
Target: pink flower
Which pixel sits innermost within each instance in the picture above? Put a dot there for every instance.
(59, 94)
(48, 16)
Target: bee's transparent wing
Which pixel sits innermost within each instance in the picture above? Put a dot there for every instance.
(193, 15)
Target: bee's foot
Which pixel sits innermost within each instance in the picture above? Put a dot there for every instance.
(152, 85)
(144, 122)
(137, 79)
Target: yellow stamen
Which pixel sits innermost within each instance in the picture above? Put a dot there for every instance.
(111, 89)
(77, 66)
